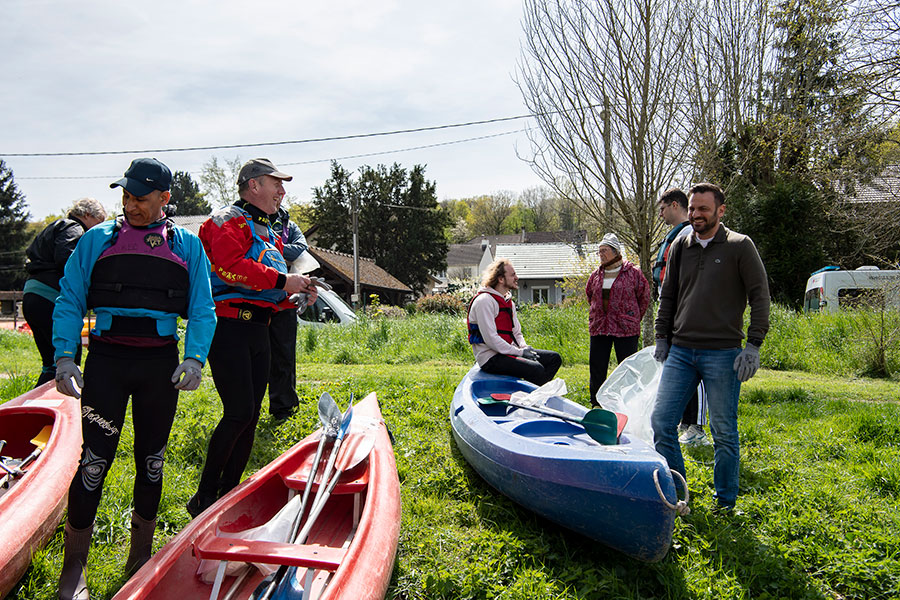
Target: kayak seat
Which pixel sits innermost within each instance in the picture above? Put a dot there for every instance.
(212, 547)
(354, 485)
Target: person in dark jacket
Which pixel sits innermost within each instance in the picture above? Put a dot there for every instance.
(46, 258)
(283, 400)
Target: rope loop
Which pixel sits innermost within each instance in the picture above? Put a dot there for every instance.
(681, 506)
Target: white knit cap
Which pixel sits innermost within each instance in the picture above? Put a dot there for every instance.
(613, 242)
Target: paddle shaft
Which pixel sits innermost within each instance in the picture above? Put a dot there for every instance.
(538, 409)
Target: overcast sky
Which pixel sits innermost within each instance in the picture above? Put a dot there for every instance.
(96, 76)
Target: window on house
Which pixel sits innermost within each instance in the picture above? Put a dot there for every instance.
(540, 295)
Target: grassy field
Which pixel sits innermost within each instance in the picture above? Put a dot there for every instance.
(820, 475)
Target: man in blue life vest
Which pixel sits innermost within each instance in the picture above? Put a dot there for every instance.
(250, 283)
(495, 333)
(673, 209)
(139, 273)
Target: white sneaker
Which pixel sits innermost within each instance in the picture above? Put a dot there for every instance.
(694, 436)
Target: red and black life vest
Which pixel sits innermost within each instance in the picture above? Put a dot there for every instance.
(504, 321)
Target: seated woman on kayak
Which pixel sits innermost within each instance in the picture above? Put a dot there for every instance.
(495, 333)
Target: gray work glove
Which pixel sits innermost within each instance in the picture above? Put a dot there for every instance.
(747, 362)
(66, 372)
(530, 354)
(192, 370)
(662, 350)
(301, 299)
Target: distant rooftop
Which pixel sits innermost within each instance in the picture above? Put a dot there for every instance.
(546, 261)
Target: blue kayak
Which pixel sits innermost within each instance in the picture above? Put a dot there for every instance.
(553, 468)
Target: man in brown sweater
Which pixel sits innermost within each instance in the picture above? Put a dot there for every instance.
(711, 276)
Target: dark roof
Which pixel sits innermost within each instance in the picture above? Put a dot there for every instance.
(370, 274)
(464, 254)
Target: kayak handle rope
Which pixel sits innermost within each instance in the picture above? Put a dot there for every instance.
(681, 507)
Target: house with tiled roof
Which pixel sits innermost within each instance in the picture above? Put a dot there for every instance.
(467, 261)
(540, 267)
(337, 268)
(883, 188)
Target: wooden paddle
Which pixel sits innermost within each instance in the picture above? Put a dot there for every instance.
(603, 426)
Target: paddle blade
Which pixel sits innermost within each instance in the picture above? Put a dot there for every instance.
(40, 440)
(622, 421)
(602, 426)
(356, 448)
(345, 423)
(329, 414)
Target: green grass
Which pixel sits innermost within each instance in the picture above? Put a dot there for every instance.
(816, 517)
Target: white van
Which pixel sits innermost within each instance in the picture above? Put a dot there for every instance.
(831, 289)
(329, 308)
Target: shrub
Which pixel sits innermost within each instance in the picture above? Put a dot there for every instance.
(440, 303)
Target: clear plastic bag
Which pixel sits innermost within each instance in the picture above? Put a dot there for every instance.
(631, 390)
(539, 397)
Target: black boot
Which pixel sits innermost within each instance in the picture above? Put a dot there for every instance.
(141, 543)
(72, 585)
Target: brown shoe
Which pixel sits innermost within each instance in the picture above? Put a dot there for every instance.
(141, 543)
(72, 585)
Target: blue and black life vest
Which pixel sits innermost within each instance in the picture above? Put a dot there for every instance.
(262, 251)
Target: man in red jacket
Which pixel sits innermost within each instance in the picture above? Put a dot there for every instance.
(250, 283)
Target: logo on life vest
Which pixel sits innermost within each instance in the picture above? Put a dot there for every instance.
(153, 240)
(245, 315)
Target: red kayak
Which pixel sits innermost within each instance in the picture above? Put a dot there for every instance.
(348, 553)
(46, 426)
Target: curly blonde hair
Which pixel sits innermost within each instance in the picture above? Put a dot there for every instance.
(495, 271)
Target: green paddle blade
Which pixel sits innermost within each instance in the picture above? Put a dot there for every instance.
(602, 425)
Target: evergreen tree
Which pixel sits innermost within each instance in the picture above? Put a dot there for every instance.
(401, 225)
(13, 231)
(186, 196)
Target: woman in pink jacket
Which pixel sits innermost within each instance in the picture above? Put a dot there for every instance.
(618, 294)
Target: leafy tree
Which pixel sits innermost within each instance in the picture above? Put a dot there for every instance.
(186, 195)
(490, 214)
(400, 223)
(13, 231)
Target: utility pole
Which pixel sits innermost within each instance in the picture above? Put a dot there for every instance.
(354, 214)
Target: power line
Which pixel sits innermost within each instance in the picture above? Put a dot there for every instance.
(308, 162)
(265, 144)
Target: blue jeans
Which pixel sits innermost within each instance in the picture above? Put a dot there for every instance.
(682, 371)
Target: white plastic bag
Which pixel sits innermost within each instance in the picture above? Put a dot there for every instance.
(538, 397)
(631, 390)
(276, 529)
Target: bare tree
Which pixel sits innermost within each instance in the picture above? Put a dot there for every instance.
(541, 209)
(730, 56)
(219, 180)
(605, 83)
